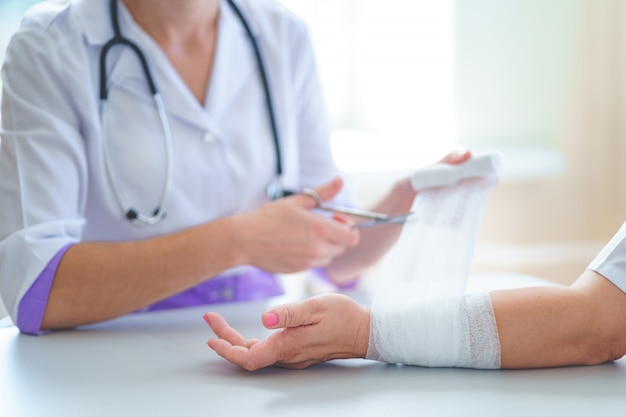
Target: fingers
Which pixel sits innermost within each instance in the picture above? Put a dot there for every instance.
(315, 330)
(456, 157)
(222, 330)
(249, 354)
(235, 354)
(326, 192)
(341, 233)
(329, 190)
(338, 233)
(260, 355)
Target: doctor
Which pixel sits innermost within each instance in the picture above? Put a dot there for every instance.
(143, 145)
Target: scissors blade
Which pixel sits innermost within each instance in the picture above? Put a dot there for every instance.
(373, 218)
(354, 212)
(393, 219)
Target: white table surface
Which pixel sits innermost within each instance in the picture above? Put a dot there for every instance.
(157, 364)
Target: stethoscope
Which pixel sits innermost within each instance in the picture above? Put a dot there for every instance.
(274, 190)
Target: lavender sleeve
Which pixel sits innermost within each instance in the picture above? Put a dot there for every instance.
(33, 303)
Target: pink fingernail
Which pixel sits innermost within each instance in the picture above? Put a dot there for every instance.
(271, 319)
(206, 318)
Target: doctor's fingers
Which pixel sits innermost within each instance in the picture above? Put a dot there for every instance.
(324, 192)
(309, 256)
(337, 230)
(319, 235)
(456, 157)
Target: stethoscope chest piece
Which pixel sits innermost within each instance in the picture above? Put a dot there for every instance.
(130, 213)
(275, 190)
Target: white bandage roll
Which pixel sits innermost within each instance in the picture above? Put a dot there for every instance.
(450, 332)
(420, 313)
(487, 164)
(433, 255)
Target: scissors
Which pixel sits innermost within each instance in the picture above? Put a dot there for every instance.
(374, 219)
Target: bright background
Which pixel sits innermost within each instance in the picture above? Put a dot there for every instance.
(541, 80)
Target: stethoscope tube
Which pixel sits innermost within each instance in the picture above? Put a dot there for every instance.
(266, 87)
(274, 190)
(132, 214)
(118, 39)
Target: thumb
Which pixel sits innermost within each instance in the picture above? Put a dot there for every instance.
(456, 157)
(329, 190)
(325, 192)
(287, 315)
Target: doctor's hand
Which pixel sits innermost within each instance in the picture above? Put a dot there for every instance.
(319, 329)
(452, 158)
(285, 236)
(401, 195)
(456, 157)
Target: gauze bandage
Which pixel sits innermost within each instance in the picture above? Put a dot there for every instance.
(420, 313)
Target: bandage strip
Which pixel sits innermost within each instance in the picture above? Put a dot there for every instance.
(420, 314)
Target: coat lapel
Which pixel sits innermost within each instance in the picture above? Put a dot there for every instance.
(234, 64)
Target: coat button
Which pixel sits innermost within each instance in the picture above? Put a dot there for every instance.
(208, 137)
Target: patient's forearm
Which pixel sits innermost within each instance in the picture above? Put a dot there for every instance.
(582, 324)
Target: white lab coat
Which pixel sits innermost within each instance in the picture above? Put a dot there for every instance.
(611, 261)
(54, 189)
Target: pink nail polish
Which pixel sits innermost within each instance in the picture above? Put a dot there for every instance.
(271, 319)
(206, 318)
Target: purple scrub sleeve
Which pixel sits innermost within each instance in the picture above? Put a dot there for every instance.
(33, 304)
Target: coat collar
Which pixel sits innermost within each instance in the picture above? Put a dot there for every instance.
(233, 65)
(94, 19)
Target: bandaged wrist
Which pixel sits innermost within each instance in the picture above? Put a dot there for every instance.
(449, 332)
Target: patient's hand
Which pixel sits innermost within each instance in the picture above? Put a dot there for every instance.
(319, 329)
